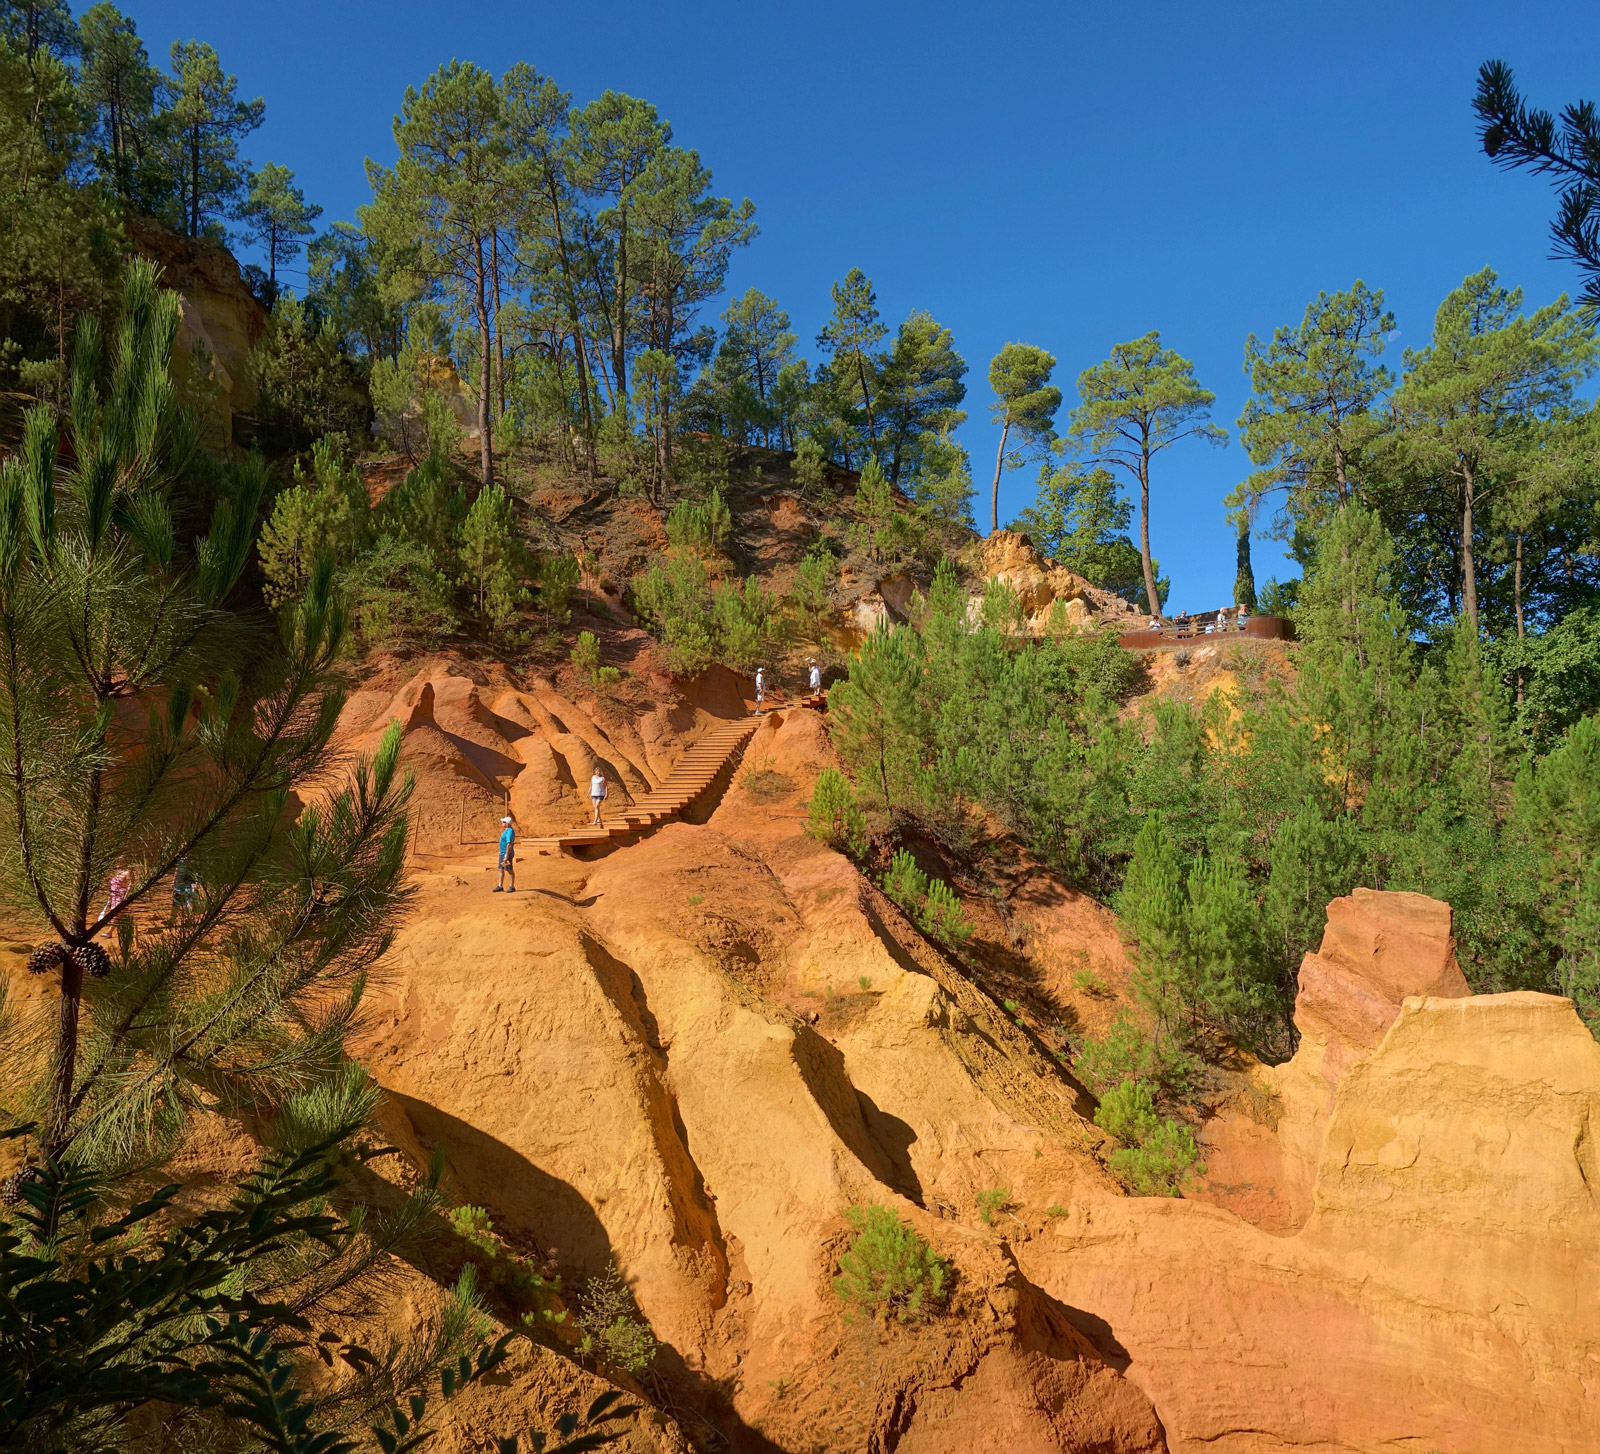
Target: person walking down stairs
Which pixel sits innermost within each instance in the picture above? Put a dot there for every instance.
(597, 794)
(508, 857)
(761, 688)
(815, 679)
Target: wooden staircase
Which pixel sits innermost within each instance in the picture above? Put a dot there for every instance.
(691, 775)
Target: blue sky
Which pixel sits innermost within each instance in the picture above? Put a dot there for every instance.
(1067, 174)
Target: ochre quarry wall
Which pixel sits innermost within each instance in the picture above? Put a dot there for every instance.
(1440, 1293)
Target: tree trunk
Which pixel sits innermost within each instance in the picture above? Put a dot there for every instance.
(65, 1062)
(1469, 566)
(577, 326)
(194, 181)
(866, 399)
(999, 464)
(619, 324)
(499, 337)
(1516, 596)
(1144, 533)
(485, 439)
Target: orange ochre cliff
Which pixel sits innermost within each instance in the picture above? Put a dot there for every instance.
(691, 1053)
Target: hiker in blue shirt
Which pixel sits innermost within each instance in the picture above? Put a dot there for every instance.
(508, 857)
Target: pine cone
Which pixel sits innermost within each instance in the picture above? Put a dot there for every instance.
(11, 1187)
(45, 958)
(93, 959)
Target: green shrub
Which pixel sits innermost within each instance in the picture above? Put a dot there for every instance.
(326, 512)
(746, 622)
(942, 916)
(833, 815)
(425, 508)
(699, 525)
(889, 1269)
(1160, 1165)
(991, 1203)
(930, 903)
(1128, 1112)
(905, 883)
(397, 594)
(474, 1225)
(1157, 1156)
(558, 579)
(1126, 1052)
(586, 658)
(1090, 983)
(614, 1331)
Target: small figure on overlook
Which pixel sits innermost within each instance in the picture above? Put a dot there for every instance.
(761, 688)
(508, 856)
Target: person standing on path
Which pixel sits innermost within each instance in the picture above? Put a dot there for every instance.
(508, 857)
(183, 890)
(761, 688)
(816, 678)
(597, 793)
(116, 892)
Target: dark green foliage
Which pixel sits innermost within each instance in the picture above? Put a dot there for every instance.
(833, 816)
(397, 595)
(100, 1319)
(1080, 521)
(890, 1271)
(1517, 135)
(308, 384)
(1244, 579)
(1157, 1155)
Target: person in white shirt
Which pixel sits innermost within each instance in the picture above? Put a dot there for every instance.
(816, 678)
(761, 688)
(597, 793)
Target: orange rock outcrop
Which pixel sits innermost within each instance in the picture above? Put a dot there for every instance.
(1440, 1292)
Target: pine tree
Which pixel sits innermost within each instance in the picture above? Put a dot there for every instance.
(919, 396)
(1468, 399)
(852, 336)
(277, 218)
(121, 86)
(441, 208)
(139, 731)
(1142, 400)
(875, 711)
(1025, 401)
(1310, 422)
(208, 119)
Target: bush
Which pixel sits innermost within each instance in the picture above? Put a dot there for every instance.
(889, 1269)
(833, 815)
(703, 526)
(930, 903)
(746, 623)
(614, 1331)
(558, 579)
(1160, 1165)
(942, 916)
(905, 883)
(991, 1203)
(586, 658)
(1126, 1052)
(1157, 1156)
(307, 385)
(326, 513)
(396, 593)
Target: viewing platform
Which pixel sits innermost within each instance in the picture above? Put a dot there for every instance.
(1187, 631)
